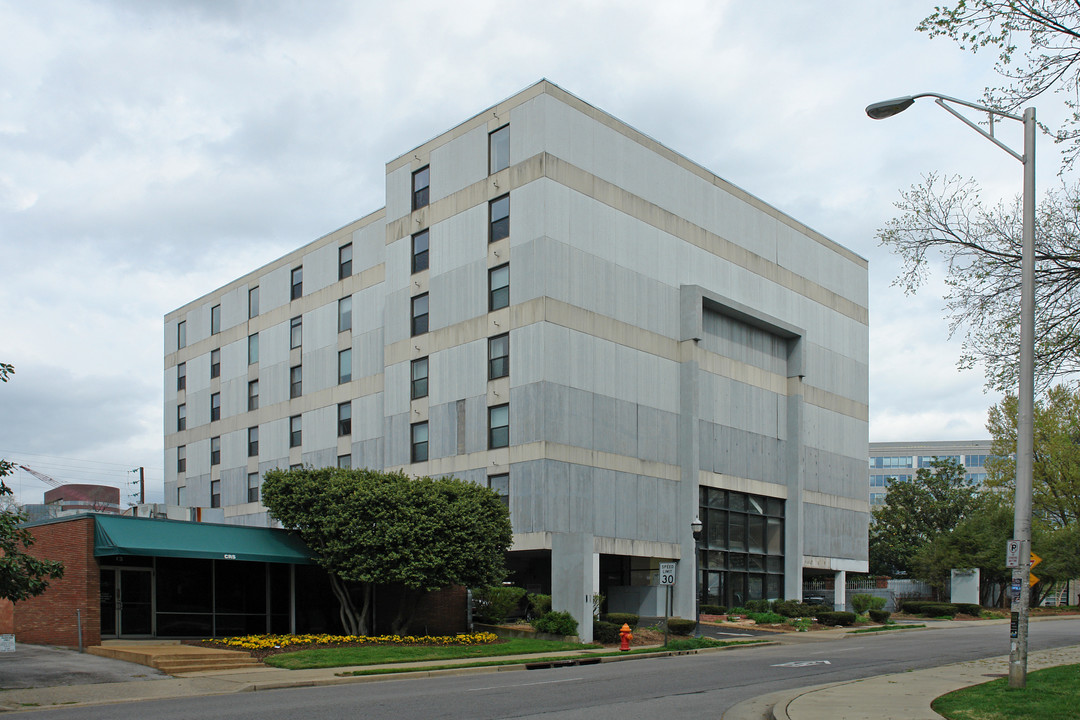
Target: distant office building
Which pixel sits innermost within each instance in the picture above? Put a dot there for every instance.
(903, 460)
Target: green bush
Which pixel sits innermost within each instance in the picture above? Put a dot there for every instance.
(836, 619)
(496, 603)
(928, 608)
(758, 606)
(539, 605)
(713, 609)
(618, 619)
(557, 622)
(737, 611)
(605, 632)
(879, 616)
(865, 601)
(972, 609)
(766, 618)
(680, 626)
(794, 608)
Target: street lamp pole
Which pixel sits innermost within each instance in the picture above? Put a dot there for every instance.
(695, 527)
(1025, 420)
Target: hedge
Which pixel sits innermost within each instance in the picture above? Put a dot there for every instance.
(928, 608)
(880, 616)
(605, 632)
(712, 609)
(794, 608)
(618, 619)
(557, 623)
(680, 626)
(836, 618)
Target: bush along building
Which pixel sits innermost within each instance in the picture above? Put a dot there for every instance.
(555, 305)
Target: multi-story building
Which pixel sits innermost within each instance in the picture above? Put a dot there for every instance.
(903, 460)
(555, 305)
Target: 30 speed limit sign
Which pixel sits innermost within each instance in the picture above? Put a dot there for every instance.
(667, 573)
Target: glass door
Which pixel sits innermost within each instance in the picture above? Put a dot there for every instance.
(127, 602)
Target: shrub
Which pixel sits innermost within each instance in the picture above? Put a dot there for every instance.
(861, 602)
(737, 611)
(618, 619)
(766, 618)
(496, 603)
(681, 626)
(801, 624)
(794, 608)
(758, 606)
(539, 605)
(557, 622)
(879, 616)
(605, 632)
(713, 609)
(836, 618)
(973, 609)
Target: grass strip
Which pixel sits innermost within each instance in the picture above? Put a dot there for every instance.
(1050, 693)
(883, 628)
(386, 654)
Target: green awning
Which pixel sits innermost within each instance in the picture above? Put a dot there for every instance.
(120, 535)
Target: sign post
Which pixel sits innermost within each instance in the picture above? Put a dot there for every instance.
(667, 578)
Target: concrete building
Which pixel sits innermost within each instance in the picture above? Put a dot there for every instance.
(903, 460)
(556, 305)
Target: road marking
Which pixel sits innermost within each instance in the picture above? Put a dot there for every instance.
(803, 663)
(543, 682)
(831, 652)
(736, 634)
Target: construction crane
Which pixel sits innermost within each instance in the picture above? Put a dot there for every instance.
(42, 477)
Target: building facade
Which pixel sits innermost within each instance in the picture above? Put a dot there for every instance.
(555, 305)
(903, 460)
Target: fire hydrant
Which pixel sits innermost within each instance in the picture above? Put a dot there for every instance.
(625, 637)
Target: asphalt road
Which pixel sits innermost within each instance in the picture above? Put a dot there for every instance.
(42, 666)
(701, 686)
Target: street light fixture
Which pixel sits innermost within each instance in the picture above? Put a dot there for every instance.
(1025, 421)
(695, 527)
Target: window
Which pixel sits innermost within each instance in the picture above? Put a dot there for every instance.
(253, 349)
(296, 381)
(181, 459)
(215, 406)
(215, 363)
(420, 251)
(253, 302)
(297, 281)
(253, 441)
(181, 417)
(344, 261)
(344, 314)
(344, 462)
(253, 395)
(295, 431)
(215, 320)
(419, 373)
(181, 376)
(421, 179)
(253, 487)
(344, 366)
(499, 218)
(499, 149)
(419, 442)
(181, 334)
(499, 426)
(215, 450)
(296, 332)
(344, 419)
(215, 493)
(420, 314)
(499, 356)
(499, 287)
(501, 485)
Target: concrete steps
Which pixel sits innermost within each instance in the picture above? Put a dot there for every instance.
(174, 659)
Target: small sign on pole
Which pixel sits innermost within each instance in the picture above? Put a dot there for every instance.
(7, 643)
(667, 573)
(1012, 553)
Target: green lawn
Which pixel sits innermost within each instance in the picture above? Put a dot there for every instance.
(380, 654)
(1050, 693)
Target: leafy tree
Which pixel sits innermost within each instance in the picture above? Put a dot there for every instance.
(917, 510)
(22, 575)
(372, 528)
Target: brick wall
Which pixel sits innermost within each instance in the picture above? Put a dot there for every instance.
(49, 618)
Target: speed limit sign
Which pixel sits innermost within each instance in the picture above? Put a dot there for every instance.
(667, 573)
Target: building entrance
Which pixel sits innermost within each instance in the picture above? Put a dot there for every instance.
(127, 602)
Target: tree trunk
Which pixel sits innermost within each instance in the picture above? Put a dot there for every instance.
(353, 620)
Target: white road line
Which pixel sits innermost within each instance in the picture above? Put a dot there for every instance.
(543, 682)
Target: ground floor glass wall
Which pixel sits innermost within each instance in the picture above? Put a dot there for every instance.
(741, 549)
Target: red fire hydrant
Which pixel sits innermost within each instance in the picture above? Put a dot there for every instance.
(625, 637)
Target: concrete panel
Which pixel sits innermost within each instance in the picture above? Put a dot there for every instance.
(396, 388)
(234, 307)
(835, 532)
(399, 192)
(556, 493)
(528, 500)
(369, 246)
(460, 294)
(476, 424)
(368, 307)
(367, 417)
(322, 458)
(627, 507)
(459, 163)
(321, 267)
(457, 372)
(606, 511)
(459, 240)
(527, 413)
(274, 289)
(581, 499)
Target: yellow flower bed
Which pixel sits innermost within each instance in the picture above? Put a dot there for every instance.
(263, 642)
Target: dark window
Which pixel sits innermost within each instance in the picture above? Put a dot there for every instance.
(499, 149)
(181, 334)
(344, 462)
(215, 451)
(295, 431)
(253, 487)
(420, 181)
(344, 261)
(420, 314)
(419, 372)
(181, 376)
(215, 493)
(181, 459)
(296, 332)
(741, 548)
(181, 417)
(215, 406)
(499, 218)
(499, 287)
(344, 419)
(420, 251)
(499, 426)
(253, 349)
(344, 363)
(499, 356)
(253, 395)
(215, 320)
(501, 485)
(344, 314)
(253, 442)
(296, 381)
(215, 363)
(297, 279)
(419, 442)
(253, 302)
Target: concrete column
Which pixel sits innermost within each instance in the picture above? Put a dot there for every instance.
(793, 508)
(572, 578)
(689, 456)
(840, 591)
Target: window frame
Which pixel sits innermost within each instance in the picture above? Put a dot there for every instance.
(347, 464)
(503, 359)
(415, 390)
(344, 366)
(253, 441)
(296, 283)
(181, 376)
(344, 322)
(296, 381)
(253, 302)
(215, 363)
(418, 449)
(419, 321)
(496, 299)
(296, 431)
(495, 235)
(215, 319)
(495, 442)
(504, 496)
(215, 493)
(215, 450)
(421, 260)
(421, 194)
(181, 334)
(498, 138)
(296, 332)
(253, 349)
(345, 263)
(253, 398)
(344, 419)
(181, 417)
(215, 407)
(181, 459)
(253, 497)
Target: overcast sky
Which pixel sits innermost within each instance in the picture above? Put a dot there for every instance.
(152, 151)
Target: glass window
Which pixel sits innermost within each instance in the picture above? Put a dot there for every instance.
(421, 179)
(215, 451)
(420, 251)
(344, 258)
(499, 426)
(253, 487)
(181, 376)
(215, 320)
(253, 349)
(181, 334)
(419, 442)
(499, 149)
(419, 372)
(296, 332)
(253, 302)
(420, 314)
(215, 493)
(181, 417)
(253, 441)
(344, 462)
(344, 314)
(253, 395)
(501, 485)
(499, 218)
(181, 459)
(344, 419)
(215, 363)
(295, 431)
(296, 381)
(215, 406)
(297, 281)
(499, 287)
(344, 363)
(499, 356)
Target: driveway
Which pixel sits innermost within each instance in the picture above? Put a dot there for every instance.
(35, 666)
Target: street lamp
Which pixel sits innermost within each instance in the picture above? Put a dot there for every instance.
(695, 526)
(1025, 421)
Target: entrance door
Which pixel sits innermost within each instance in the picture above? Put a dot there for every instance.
(127, 607)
